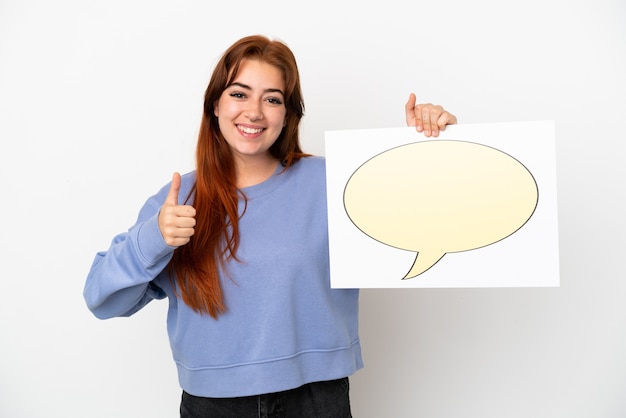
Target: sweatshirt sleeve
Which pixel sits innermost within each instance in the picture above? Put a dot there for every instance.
(119, 282)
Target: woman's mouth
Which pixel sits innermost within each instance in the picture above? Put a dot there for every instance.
(248, 130)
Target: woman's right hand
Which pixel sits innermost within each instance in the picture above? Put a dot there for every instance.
(176, 222)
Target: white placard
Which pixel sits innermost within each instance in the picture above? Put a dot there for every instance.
(475, 207)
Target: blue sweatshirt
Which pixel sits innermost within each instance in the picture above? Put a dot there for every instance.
(284, 326)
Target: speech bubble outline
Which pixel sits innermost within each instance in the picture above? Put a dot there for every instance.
(402, 196)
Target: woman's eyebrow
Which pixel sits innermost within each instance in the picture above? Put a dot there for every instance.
(247, 87)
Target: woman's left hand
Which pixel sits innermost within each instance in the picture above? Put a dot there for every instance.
(427, 118)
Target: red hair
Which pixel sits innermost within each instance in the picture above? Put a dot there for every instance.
(195, 266)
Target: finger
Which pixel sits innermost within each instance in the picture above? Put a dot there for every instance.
(418, 113)
(425, 111)
(179, 233)
(172, 196)
(445, 119)
(410, 110)
(435, 116)
(183, 216)
(180, 240)
(177, 224)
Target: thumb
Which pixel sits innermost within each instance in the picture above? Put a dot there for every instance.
(172, 195)
(410, 110)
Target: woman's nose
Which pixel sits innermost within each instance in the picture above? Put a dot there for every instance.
(254, 110)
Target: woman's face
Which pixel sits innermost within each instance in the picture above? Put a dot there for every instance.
(251, 111)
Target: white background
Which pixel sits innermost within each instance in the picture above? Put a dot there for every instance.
(101, 100)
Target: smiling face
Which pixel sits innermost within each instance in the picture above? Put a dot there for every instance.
(251, 110)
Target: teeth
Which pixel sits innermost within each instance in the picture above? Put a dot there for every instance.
(250, 130)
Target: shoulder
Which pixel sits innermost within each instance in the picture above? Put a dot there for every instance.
(309, 173)
(310, 165)
(187, 180)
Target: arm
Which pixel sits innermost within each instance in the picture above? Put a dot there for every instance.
(427, 118)
(119, 282)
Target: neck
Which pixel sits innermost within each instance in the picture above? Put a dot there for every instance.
(251, 171)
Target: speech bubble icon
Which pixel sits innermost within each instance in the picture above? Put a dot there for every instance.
(441, 196)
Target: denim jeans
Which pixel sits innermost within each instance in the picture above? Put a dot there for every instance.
(314, 400)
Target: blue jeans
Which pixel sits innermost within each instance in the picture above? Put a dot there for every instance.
(314, 400)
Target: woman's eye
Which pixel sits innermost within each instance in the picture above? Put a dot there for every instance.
(237, 95)
(275, 100)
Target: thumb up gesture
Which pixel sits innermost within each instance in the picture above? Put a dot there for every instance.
(176, 222)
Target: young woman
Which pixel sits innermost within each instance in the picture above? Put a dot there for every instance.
(240, 248)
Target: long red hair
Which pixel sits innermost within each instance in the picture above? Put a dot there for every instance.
(195, 266)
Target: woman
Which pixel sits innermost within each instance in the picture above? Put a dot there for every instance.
(240, 248)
